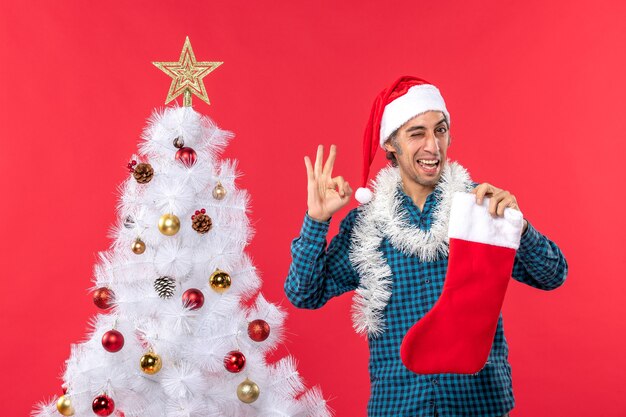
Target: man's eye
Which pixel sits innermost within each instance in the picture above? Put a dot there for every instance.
(442, 130)
(417, 134)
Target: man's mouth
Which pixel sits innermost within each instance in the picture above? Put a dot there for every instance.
(428, 165)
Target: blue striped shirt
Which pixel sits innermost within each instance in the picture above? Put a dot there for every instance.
(318, 273)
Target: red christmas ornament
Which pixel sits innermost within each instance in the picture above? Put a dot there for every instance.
(131, 165)
(103, 405)
(258, 330)
(193, 298)
(234, 361)
(187, 156)
(103, 298)
(203, 211)
(113, 341)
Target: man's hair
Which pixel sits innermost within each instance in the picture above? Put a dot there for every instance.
(391, 156)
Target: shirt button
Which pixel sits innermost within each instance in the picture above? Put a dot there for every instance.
(435, 381)
(427, 281)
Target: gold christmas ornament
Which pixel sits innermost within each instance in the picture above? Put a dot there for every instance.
(64, 406)
(248, 391)
(219, 192)
(219, 281)
(138, 246)
(150, 363)
(187, 75)
(169, 224)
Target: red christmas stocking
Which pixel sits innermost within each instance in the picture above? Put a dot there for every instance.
(456, 335)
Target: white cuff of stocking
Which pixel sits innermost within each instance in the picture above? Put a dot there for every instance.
(472, 222)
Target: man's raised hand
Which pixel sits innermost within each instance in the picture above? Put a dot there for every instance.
(326, 195)
(500, 199)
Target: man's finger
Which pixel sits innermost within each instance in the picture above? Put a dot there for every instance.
(481, 190)
(309, 169)
(328, 166)
(339, 182)
(507, 202)
(493, 203)
(318, 160)
(340, 188)
(347, 189)
(495, 200)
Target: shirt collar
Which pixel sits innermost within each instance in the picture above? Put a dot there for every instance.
(408, 203)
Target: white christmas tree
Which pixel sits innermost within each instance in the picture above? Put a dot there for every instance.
(184, 331)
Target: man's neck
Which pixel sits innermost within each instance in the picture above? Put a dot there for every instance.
(417, 192)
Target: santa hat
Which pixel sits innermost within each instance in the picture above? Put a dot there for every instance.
(393, 107)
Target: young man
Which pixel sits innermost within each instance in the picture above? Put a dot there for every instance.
(393, 249)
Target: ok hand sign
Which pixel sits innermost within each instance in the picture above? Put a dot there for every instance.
(326, 195)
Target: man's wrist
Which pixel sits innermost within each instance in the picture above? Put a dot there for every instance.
(318, 218)
(530, 238)
(313, 230)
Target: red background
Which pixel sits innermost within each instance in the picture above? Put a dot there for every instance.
(535, 91)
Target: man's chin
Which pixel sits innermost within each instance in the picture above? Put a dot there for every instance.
(422, 178)
(427, 180)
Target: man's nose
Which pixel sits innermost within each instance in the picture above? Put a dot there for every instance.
(431, 145)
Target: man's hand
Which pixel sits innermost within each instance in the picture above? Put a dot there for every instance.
(500, 199)
(326, 195)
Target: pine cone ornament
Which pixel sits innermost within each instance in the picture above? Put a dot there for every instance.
(143, 173)
(165, 286)
(129, 222)
(201, 221)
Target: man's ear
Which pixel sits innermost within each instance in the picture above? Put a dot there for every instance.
(388, 146)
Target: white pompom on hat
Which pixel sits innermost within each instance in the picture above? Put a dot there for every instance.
(393, 107)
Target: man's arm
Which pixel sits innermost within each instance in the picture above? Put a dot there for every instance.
(539, 262)
(317, 274)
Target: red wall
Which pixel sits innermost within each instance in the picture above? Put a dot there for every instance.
(535, 91)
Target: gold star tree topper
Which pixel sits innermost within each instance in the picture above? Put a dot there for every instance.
(187, 75)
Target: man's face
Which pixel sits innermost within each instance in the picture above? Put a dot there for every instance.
(420, 146)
